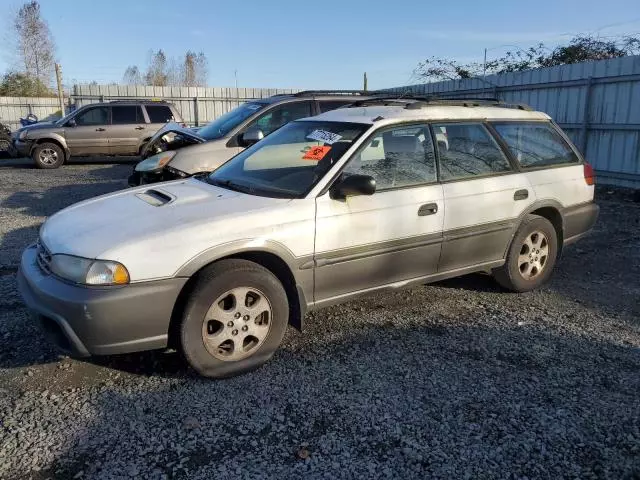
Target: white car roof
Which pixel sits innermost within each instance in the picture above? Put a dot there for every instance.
(393, 113)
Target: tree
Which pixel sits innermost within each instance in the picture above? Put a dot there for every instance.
(157, 72)
(189, 69)
(201, 70)
(579, 49)
(17, 84)
(36, 48)
(132, 76)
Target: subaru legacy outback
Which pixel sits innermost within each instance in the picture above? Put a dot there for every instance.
(351, 202)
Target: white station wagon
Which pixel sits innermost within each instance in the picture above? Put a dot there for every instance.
(382, 195)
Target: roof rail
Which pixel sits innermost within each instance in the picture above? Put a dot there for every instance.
(410, 101)
(310, 93)
(137, 100)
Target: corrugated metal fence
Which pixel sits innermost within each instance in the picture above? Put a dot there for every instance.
(197, 105)
(597, 103)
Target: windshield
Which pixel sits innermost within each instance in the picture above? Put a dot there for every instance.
(64, 119)
(227, 122)
(290, 161)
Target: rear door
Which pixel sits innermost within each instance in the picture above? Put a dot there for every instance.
(90, 135)
(127, 130)
(484, 195)
(159, 115)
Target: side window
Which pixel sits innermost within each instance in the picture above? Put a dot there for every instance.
(93, 116)
(159, 113)
(398, 157)
(279, 116)
(536, 144)
(126, 114)
(468, 150)
(326, 105)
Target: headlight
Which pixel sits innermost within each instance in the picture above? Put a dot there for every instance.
(23, 134)
(89, 272)
(155, 162)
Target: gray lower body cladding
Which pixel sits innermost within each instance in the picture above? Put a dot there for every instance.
(578, 221)
(99, 320)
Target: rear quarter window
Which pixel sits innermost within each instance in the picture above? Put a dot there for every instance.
(536, 144)
(159, 113)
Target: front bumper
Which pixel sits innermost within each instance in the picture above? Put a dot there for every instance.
(154, 176)
(99, 320)
(20, 148)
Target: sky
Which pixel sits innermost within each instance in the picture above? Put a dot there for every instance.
(302, 44)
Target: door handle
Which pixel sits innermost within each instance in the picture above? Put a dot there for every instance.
(521, 194)
(100, 129)
(428, 209)
(139, 128)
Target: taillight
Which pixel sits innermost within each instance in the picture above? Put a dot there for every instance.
(589, 174)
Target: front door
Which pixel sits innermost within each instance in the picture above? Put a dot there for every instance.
(90, 135)
(395, 234)
(127, 129)
(483, 194)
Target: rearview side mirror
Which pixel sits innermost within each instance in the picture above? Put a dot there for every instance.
(72, 123)
(352, 186)
(251, 136)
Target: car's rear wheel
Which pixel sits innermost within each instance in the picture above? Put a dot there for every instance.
(48, 155)
(234, 320)
(531, 257)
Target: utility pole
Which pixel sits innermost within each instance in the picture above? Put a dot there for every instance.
(235, 73)
(365, 81)
(60, 94)
(484, 68)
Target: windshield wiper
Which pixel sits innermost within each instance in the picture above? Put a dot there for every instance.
(231, 185)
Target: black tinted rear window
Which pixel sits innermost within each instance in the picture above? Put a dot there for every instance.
(327, 105)
(126, 114)
(159, 113)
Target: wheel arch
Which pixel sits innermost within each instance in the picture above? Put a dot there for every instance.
(58, 141)
(280, 264)
(549, 209)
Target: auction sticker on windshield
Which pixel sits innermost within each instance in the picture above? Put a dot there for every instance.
(316, 153)
(324, 136)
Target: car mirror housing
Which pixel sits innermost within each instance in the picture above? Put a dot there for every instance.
(251, 136)
(352, 186)
(72, 123)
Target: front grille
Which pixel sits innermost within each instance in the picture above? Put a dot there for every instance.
(43, 257)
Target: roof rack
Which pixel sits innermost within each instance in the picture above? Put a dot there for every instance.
(410, 101)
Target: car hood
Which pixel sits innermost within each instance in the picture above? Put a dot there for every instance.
(36, 126)
(137, 225)
(170, 128)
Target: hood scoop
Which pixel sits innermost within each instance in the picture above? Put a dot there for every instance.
(154, 197)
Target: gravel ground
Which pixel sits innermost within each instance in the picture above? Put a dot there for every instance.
(452, 380)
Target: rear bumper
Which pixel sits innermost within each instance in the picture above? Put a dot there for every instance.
(578, 221)
(99, 320)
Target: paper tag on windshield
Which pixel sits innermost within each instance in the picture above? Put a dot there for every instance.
(324, 136)
(316, 153)
(253, 106)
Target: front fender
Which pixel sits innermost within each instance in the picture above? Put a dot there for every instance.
(50, 136)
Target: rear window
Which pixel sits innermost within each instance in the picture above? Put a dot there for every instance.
(536, 144)
(159, 113)
(126, 114)
(325, 106)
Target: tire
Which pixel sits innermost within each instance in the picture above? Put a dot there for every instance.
(48, 155)
(527, 267)
(222, 337)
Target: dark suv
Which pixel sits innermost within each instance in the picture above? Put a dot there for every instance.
(179, 152)
(113, 128)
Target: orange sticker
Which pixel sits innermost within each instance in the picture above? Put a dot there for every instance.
(316, 153)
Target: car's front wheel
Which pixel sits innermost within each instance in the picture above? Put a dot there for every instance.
(48, 155)
(531, 257)
(234, 319)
